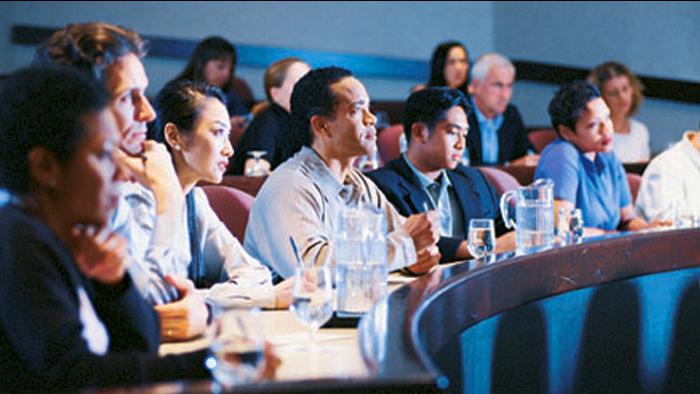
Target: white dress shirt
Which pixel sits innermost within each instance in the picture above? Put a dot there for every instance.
(671, 182)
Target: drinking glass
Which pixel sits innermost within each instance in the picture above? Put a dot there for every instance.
(312, 298)
(570, 226)
(236, 353)
(257, 169)
(481, 238)
(370, 161)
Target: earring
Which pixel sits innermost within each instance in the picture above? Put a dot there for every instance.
(176, 146)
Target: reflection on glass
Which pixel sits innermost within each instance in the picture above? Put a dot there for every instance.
(258, 168)
(481, 238)
(570, 226)
(312, 298)
(237, 345)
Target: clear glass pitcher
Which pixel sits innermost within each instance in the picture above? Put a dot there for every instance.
(360, 251)
(534, 214)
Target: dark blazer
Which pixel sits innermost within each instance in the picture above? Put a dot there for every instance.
(478, 198)
(512, 138)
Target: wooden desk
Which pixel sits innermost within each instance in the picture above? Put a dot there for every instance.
(430, 318)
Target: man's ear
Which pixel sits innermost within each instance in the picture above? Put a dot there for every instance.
(44, 167)
(275, 94)
(172, 136)
(420, 132)
(319, 126)
(566, 133)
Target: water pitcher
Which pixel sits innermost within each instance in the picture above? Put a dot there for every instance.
(534, 214)
(361, 269)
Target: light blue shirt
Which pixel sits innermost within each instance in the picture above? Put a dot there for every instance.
(443, 204)
(168, 252)
(4, 197)
(489, 134)
(599, 188)
(302, 199)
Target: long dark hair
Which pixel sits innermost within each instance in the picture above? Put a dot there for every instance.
(180, 103)
(438, 61)
(211, 48)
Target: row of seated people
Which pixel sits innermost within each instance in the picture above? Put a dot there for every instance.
(83, 214)
(497, 133)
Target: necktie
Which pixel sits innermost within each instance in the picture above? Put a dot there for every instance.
(434, 190)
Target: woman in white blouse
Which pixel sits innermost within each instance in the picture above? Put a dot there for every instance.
(622, 92)
(195, 126)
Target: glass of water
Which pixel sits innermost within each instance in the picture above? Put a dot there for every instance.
(570, 226)
(481, 238)
(312, 298)
(257, 169)
(237, 345)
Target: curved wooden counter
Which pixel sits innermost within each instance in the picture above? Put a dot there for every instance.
(422, 318)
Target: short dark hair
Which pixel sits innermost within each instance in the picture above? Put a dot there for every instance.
(211, 48)
(430, 106)
(43, 106)
(91, 47)
(437, 64)
(180, 103)
(313, 95)
(569, 102)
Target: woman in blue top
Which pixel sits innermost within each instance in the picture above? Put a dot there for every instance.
(586, 173)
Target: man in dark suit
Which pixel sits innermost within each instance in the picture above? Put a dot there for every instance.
(497, 133)
(430, 175)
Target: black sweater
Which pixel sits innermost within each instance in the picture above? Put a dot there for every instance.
(42, 346)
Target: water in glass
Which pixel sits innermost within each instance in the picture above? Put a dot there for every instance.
(257, 169)
(360, 251)
(312, 296)
(237, 345)
(482, 237)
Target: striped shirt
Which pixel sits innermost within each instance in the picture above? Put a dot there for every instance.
(303, 199)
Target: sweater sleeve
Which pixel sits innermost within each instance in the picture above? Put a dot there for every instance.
(45, 322)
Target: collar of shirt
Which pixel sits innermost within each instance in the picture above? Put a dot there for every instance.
(489, 134)
(689, 148)
(425, 181)
(347, 191)
(443, 204)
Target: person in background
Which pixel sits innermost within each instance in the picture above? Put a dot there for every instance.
(498, 135)
(430, 173)
(449, 66)
(270, 129)
(195, 126)
(214, 62)
(70, 314)
(304, 196)
(112, 55)
(622, 92)
(586, 173)
(671, 182)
